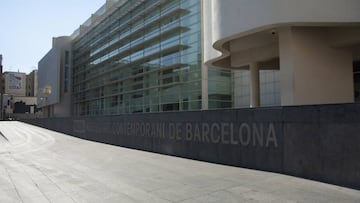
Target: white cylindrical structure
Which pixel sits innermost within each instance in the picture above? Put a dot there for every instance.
(314, 45)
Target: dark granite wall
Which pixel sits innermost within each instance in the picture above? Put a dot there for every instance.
(319, 142)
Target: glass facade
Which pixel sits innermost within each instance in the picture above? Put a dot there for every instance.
(66, 71)
(220, 88)
(269, 88)
(356, 69)
(145, 56)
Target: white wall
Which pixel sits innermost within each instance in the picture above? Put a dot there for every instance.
(50, 75)
(49, 78)
(228, 19)
(314, 40)
(311, 71)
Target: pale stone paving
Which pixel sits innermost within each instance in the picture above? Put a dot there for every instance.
(38, 165)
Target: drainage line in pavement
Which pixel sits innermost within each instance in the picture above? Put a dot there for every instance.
(2, 135)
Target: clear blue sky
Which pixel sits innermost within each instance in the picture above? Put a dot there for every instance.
(27, 28)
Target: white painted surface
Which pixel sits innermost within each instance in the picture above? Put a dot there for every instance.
(229, 19)
(312, 72)
(314, 40)
(38, 165)
(51, 79)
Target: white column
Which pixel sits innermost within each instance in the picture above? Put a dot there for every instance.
(254, 85)
(312, 71)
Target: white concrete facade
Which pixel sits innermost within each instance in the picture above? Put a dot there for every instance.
(311, 43)
(54, 101)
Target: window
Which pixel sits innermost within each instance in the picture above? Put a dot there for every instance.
(66, 72)
(66, 57)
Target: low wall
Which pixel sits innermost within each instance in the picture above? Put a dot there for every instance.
(315, 142)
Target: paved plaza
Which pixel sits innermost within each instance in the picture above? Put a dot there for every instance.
(38, 165)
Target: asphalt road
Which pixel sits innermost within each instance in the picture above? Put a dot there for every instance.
(38, 165)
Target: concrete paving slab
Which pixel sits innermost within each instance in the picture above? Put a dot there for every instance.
(38, 165)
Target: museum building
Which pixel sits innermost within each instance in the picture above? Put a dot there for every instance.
(137, 56)
(183, 55)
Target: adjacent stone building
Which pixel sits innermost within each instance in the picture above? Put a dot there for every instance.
(19, 94)
(31, 84)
